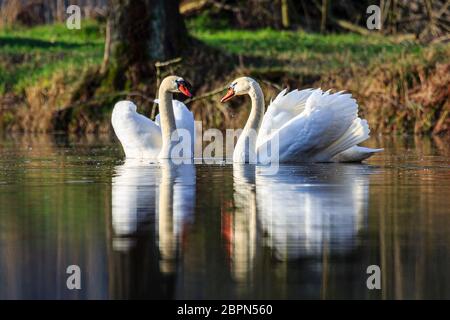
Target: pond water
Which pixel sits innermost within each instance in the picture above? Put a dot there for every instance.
(221, 231)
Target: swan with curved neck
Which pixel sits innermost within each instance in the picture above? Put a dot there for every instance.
(246, 145)
(143, 138)
(168, 86)
(306, 126)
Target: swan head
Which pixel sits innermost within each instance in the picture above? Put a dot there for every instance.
(238, 87)
(177, 84)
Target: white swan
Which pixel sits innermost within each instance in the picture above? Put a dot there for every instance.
(310, 126)
(143, 138)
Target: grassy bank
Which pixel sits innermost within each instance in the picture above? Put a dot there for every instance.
(300, 53)
(32, 55)
(402, 86)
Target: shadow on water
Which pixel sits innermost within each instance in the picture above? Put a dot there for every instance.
(152, 231)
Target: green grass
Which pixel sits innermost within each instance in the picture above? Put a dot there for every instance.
(299, 52)
(32, 55)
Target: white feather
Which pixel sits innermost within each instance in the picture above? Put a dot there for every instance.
(312, 126)
(141, 137)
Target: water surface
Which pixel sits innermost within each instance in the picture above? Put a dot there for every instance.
(152, 231)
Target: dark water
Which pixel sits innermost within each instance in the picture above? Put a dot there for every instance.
(218, 231)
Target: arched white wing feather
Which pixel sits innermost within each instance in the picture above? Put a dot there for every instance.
(324, 119)
(139, 136)
(284, 108)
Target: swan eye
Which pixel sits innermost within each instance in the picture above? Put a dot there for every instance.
(182, 82)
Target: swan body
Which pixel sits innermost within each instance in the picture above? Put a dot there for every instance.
(307, 126)
(142, 138)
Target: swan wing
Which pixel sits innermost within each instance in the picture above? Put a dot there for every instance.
(184, 119)
(326, 118)
(140, 137)
(285, 107)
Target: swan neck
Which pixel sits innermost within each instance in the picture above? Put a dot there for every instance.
(245, 150)
(167, 117)
(257, 112)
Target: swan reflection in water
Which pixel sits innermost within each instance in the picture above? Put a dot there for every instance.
(134, 188)
(298, 213)
(151, 205)
(302, 213)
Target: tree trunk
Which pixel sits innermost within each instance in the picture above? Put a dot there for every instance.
(323, 20)
(60, 10)
(107, 50)
(285, 14)
(168, 32)
(141, 33)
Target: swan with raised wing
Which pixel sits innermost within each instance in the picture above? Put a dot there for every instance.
(143, 138)
(307, 126)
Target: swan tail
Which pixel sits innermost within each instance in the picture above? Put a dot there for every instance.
(357, 132)
(355, 154)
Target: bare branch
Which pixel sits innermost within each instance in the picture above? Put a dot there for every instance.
(160, 64)
(206, 95)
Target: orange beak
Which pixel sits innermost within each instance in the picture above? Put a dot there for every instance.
(228, 96)
(184, 90)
